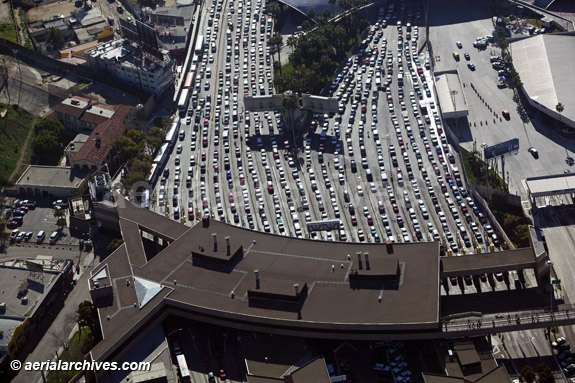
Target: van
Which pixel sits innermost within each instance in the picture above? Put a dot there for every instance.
(297, 228)
(54, 237)
(368, 175)
(346, 196)
(384, 179)
(40, 237)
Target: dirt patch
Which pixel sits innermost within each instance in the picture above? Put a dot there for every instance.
(48, 11)
(5, 13)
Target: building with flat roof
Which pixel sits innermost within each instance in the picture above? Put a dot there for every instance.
(131, 65)
(50, 181)
(468, 360)
(251, 281)
(29, 287)
(244, 279)
(451, 94)
(545, 64)
(173, 25)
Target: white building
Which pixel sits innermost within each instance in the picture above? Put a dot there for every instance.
(129, 64)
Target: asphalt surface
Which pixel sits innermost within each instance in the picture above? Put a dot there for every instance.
(465, 21)
(295, 177)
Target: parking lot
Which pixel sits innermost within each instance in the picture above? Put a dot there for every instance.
(465, 21)
(382, 166)
(39, 218)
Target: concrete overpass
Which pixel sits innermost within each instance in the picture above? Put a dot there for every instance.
(475, 324)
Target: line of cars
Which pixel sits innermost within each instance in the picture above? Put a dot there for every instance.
(564, 355)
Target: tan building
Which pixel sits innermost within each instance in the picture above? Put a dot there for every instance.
(82, 114)
(102, 123)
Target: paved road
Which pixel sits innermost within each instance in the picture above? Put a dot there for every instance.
(303, 177)
(464, 21)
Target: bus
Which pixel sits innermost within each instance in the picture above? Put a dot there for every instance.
(199, 45)
(183, 101)
(183, 367)
(189, 80)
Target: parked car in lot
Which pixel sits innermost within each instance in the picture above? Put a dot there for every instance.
(54, 237)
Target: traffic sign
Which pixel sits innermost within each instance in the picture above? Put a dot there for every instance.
(556, 282)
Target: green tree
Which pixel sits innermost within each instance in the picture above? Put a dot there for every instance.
(559, 108)
(311, 14)
(55, 38)
(274, 9)
(3, 222)
(503, 44)
(277, 41)
(88, 316)
(114, 244)
(155, 138)
(51, 125)
(292, 42)
(46, 147)
(132, 178)
(128, 148)
(545, 373)
(332, 3)
(528, 374)
(60, 215)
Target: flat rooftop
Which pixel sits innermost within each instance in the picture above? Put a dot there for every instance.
(17, 282)
(451, 95)
(398, 289)
(545, 64)
(55, 176)
(551, 185)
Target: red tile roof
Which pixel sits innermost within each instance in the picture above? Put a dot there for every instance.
(107, 131)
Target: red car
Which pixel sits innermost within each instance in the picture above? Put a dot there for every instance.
(216, 154)
(191, 213)
(231, 197)
(270, 187)
(369, 220)
(353, 220)
(206, 122)
(223, 375)
(203, 156)
(205, 142)
(395, 208)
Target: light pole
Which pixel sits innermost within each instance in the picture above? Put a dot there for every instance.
(550, 266)
(19, 71)
(483, 146)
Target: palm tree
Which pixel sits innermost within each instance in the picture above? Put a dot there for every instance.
(60, 215)
(291, 42)
(55, 38)
(332, 3)
(276, 41)
(559, 108)
(3, 222)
